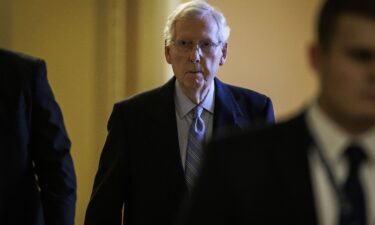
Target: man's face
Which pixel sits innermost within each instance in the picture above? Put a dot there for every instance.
(347, 74)
(195, 67)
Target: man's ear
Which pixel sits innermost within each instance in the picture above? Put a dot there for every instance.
(224, 51)
(315, 57)
(167, 53)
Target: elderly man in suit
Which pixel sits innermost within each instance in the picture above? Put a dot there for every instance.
(153, 149)
(38, 184)
(319, 167)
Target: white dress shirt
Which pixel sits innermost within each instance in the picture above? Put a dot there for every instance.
(183, 106)
(332, 141)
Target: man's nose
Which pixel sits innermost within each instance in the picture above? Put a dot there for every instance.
(195, 54)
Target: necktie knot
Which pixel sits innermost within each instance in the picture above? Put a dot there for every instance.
(197, 121)
(197, 112)
(355, 156)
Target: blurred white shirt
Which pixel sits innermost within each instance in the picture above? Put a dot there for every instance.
(332, 141)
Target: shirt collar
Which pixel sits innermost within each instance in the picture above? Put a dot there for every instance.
(184, 105)
(332, 139)
(368, 141)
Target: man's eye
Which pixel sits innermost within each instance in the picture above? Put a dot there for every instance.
(183, 43)
(206, 44)
(362, 55)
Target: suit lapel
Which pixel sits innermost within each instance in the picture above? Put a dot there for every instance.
(165, 117)
(227, 114)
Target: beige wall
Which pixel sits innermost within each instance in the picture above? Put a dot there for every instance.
(146, 66)
(99, 51)
(268, 49)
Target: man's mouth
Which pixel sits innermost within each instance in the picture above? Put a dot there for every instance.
(195, 72)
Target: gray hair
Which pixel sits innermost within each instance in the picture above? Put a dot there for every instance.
(194, 9)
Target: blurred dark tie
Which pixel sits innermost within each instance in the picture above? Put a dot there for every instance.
(354, 212)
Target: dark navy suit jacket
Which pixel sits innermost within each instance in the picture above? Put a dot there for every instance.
(140, 166)
(37, 180)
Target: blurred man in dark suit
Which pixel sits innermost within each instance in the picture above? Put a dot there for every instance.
(153, 149)
(319, 167)
(37, 179)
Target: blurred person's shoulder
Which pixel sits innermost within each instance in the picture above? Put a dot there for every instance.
(11, 58)
(19, 70)
(264, 140)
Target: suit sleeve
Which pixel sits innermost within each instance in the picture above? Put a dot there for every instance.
(107, 198)
(50, 147)
(268, 111)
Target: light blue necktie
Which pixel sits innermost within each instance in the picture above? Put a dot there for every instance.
(194, 146)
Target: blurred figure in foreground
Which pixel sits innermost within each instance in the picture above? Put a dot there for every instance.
(38, 183)
(316, 168)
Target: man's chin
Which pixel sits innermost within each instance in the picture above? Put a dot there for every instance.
(195, 79)
(194, 75)
(195, 84)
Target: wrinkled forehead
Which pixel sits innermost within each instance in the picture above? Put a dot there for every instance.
(196, 28)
